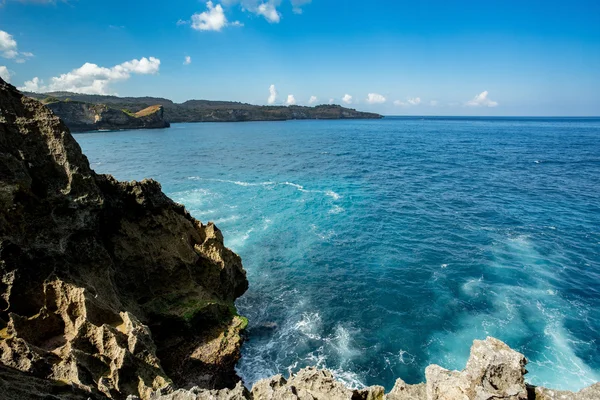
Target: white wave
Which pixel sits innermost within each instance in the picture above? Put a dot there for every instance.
(336, 210)
(405, 357)
(518, 285)
(332, 194)
(299, 187)
(227, 219)
(349, 378)
(310, 325)
(236, 242)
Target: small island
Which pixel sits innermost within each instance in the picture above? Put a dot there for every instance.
(83, 112)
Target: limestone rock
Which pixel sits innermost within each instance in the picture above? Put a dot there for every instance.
(494, 371)
(109, 288)
(403, 391)
(588, 393)
(237, 393)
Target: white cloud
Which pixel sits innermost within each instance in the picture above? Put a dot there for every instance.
(291, 100)
(375, 98)
(213, 19)
(33, 85)
(433, 103)
(297, 5)
(415, 101)
(347, 99)
(269, 11)
(8, 48)
(5, 73)
(182, 22)
(8, 45)
(331, 101)
(312, 100)
(93, 79)
(272, 94)
(481, 100)
(187, 60)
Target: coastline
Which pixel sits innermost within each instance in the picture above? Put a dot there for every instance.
(126, 334)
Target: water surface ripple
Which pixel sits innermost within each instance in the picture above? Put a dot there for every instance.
(375, 248)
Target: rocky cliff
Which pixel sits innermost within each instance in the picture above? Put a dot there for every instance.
(206, 110)
(107, 288)
(81, 117)
(111, 290)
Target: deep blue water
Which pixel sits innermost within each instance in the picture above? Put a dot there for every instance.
(375, 248)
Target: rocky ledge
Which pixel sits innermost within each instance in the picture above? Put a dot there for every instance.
(111, 290)
(494, 372)
(81, 117)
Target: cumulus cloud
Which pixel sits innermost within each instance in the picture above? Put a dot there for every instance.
(331, 101)
(213, 19)
(93, 79)
(347, 99)
(291, 100)
(33, 85)
(312, 100)
(269, 11)
(298, 4)
(187, 60)
(5, 73)
(482, 100)
(272, 94)
(8, 48)
(375, 98)
(414, 101)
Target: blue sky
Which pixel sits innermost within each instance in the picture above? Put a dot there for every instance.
(437, 57)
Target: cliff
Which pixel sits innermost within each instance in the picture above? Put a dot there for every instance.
(208, 111)
(111, 290)
(80, 116)
(107, 288)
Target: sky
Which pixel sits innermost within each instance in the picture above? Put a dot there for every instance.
(429, 57)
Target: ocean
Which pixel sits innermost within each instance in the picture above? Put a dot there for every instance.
(377, 247)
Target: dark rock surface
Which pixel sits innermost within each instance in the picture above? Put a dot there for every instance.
(108, 288)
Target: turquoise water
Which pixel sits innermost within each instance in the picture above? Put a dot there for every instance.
(374, 248)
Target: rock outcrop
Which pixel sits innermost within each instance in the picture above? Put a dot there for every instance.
(81, 117)
(107, 288)
(494, 372)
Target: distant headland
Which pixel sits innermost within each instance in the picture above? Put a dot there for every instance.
(85, 112)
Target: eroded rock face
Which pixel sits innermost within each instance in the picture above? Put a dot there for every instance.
(80, 117)
(108, 288)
